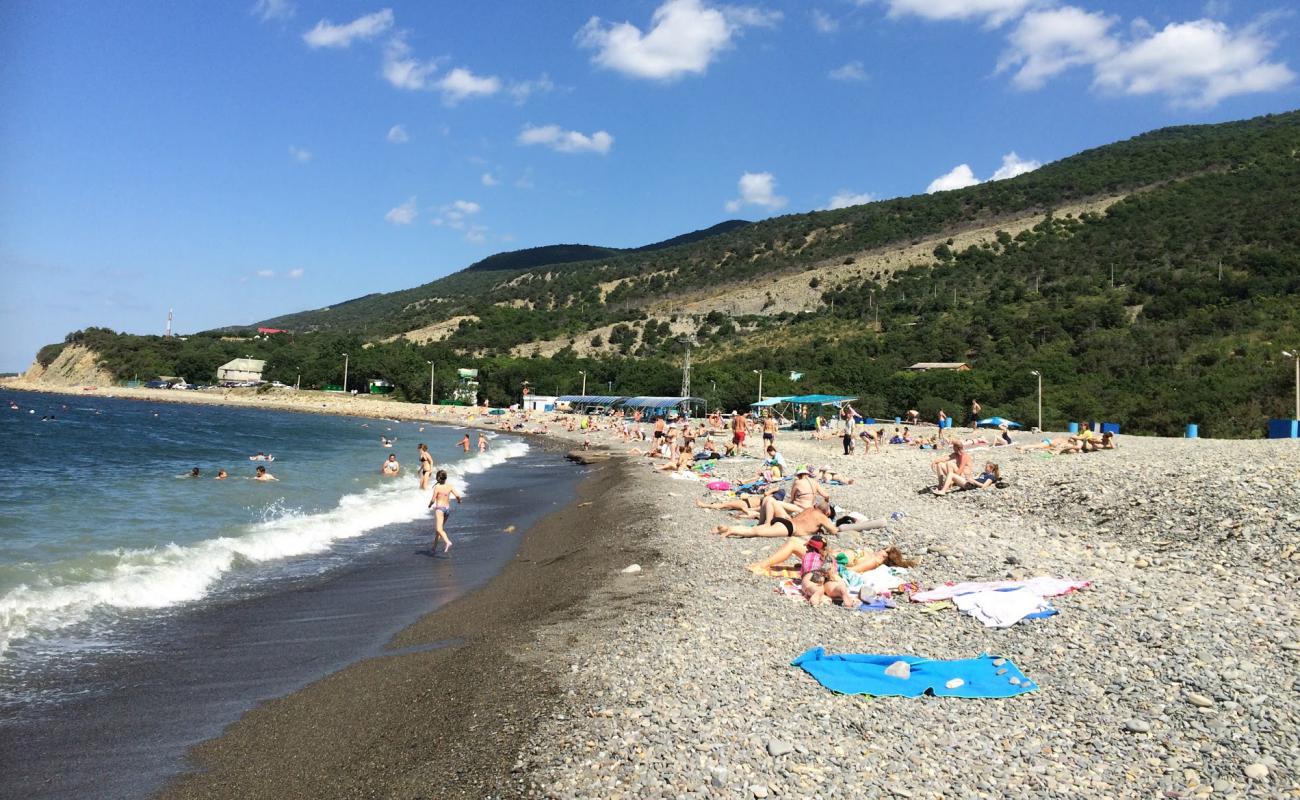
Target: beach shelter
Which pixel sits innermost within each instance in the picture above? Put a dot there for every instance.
(661, 406)
(808, 407)
(769, 402)
(583, 403)
(994, 422)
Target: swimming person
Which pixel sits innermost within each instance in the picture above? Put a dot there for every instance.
(194, 473)
(482, 442)
(464, 444)
(441, 505)
(426, 466)
(391, 468)
(263, 475)
(221, 475)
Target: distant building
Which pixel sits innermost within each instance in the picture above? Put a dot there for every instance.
(379, 386)
(926, 366)
(269, 331)
(466, 391)
(538, 402)
(240, 370)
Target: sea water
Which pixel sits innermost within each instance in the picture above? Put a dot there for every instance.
(163, 605)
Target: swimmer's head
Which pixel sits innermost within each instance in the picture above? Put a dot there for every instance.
(221, 473)
(261, 470)
(194, 473)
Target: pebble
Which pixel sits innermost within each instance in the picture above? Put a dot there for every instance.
(1137, 726)
(1256, 772)
(899, 669)
(758, 790)
(777, 748)
(631, 569)
(1199, 700)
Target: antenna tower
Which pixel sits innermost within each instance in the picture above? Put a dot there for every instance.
(686, 367)
(168, 334)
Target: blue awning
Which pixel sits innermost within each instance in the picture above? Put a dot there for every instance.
(769, 402)
(993, 422)
(659, 402)
(818, 399)
(590, 399)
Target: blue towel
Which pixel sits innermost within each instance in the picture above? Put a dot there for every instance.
(854, 673)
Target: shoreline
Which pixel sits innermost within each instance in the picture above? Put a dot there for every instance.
(446, 711)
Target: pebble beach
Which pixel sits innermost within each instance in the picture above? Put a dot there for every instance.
(1174, 674)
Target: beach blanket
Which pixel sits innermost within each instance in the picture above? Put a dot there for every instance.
(1001, 608)
(854, 673)
(1043, 586)
(884, 579)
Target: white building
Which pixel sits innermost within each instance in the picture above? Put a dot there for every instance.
(241, 369)
(537, 402)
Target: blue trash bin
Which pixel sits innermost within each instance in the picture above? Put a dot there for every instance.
(1073, 428)
(1192, 430)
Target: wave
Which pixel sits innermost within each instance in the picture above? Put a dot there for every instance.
(171, 575)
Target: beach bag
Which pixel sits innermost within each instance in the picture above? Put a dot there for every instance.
(719, 486)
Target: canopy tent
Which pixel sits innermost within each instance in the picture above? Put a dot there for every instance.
(818, 399)
(590, 400)
(658, 402)
(994, 422)
(769, 402)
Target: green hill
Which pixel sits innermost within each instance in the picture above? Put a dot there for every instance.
(1170, 306)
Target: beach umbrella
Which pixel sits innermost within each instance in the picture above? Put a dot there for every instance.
(994, 422)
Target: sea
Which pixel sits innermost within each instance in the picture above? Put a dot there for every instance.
(143, 610)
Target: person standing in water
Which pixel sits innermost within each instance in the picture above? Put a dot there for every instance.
(426, 466)
(464, 444)
(390, 467)
(482, 442)
(441, 505)
(263, 475)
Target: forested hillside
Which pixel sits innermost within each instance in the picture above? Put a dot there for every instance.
(1171, 307)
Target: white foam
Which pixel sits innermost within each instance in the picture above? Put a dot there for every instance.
(160, 577)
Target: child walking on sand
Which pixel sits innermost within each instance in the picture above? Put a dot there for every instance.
(441, 505)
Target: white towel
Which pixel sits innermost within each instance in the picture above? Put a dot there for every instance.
(1000, 609)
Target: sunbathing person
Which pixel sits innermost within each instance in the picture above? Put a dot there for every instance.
(825, 586)
(805, 523)
(805, 491)
(828, 475)
(857, 560)
(985, 479)
(682, 463)
(958, 462)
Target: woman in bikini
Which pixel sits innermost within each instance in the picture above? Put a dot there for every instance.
(426, 466)
(443, 492)
(777, 522)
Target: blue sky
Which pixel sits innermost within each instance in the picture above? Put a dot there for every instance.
(239, 161)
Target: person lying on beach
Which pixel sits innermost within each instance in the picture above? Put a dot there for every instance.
(263, 475)
(985, 479)
(858, 561)
(1045, 444)
(440, 502)
(390, 468)
(684, 461)
(830, 476)
(805, 523)
(820, 580)
(221, 475)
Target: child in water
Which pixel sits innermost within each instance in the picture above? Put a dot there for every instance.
(441, 505)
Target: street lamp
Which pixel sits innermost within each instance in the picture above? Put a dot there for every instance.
(583, 373)
(1296, 355)
(759, 373)
(611, 388)
(1040, 397)
(431, 368)
(345, 373)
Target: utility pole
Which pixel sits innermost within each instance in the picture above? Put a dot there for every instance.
(431, 369)
(1040, 398)
(168, 334)
(345, 373)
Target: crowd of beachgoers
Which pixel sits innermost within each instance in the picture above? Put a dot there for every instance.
(1069, 592)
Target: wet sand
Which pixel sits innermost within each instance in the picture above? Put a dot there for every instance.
(435, 719)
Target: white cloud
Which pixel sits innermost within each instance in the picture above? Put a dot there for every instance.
(460, 83)
(959, 177)
(823, 22)
(266, 273)
(299, 154)
(489, 179)
(1046, 43)
(563, 141)
(267, 10)
(295, 274)
(845, 198)
(684, 37)
(757, 189)
(520, 91)
(851, 71)
(1013, 165)
(398, 135)
(1194, 64)
(404, 214)
(476, 234)
(992, 12)
(454, 214)
(402, 70)
(327, 34)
